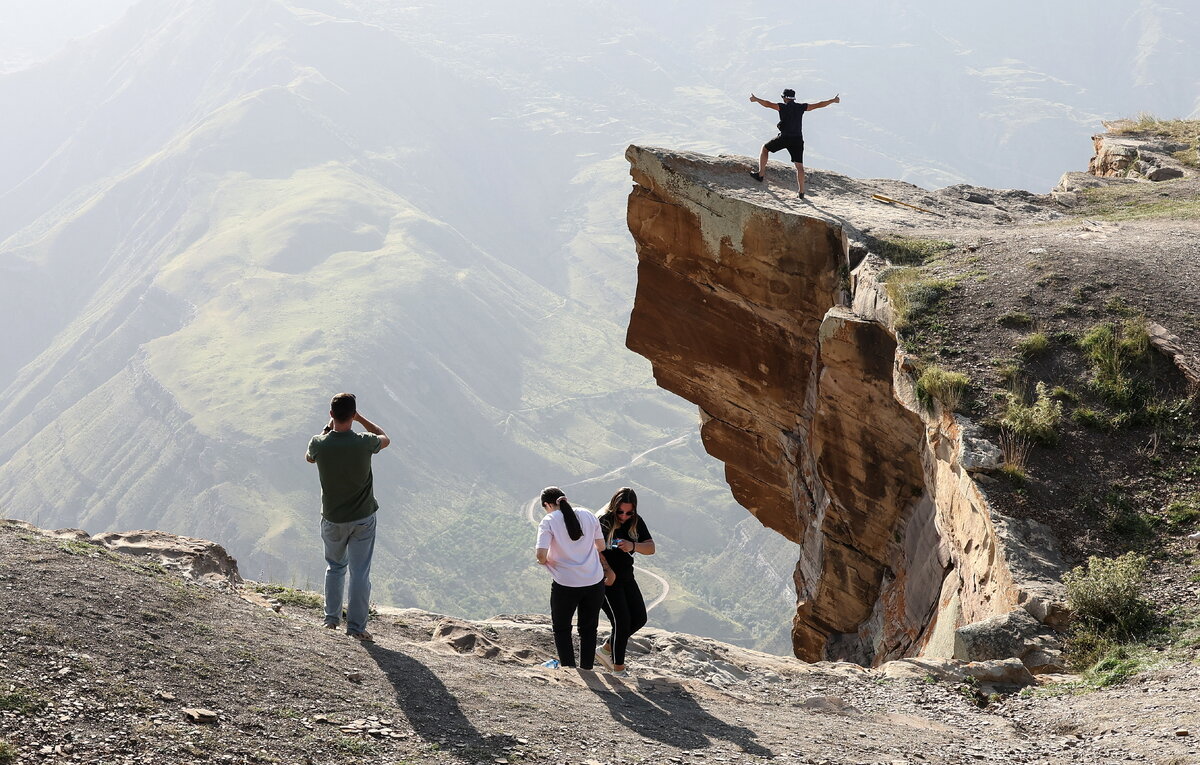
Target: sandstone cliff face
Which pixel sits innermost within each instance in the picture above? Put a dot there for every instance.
(746, 305)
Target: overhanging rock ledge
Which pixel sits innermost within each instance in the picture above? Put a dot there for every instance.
(747, 306)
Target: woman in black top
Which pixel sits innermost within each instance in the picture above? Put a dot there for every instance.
(625, 533)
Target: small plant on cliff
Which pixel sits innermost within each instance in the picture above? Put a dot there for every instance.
(913, 294)
(1113, 350)
(8, 753)
(947, 387)
(289, 596)
(1015, 320)
(1034, 345)
(1015, 449)
(1037, 421)
(910, 251)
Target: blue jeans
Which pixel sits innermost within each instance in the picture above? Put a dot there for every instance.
(350, 544)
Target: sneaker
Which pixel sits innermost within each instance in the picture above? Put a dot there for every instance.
(364, 637)
(800, 194)
(622, 673)
(552, 664)
(1194, 537)
(756, 176)
(332, 626)
(604, 659)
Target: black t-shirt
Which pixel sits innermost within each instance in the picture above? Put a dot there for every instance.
(621, 561)
(791, 118)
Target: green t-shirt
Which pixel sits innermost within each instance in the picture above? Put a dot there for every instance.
(344, 463)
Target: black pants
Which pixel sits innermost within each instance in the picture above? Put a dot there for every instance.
(626, 609)
(564, 601)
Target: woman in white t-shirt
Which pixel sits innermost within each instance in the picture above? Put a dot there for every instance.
(569, 544)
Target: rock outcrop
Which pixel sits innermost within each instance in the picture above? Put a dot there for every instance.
(747, 306)
(1124, 152)
(200, 560)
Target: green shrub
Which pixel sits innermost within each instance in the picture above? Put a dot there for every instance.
(913, 294)
(1090, 418)
(1064, 394)
(1106, 596)
(1015, 320)
(1112, 351)
(21, 701)
(8, 753)
(910, 251)
(289, 596)
(937, 383)
(1037, 421)
(1033, 345)
(1183, 514)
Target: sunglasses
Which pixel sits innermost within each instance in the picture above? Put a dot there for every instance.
(623, 513)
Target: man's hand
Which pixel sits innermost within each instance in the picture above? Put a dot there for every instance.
(838, 98)
(371, 427)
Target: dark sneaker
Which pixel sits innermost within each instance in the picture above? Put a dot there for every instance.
(331, 625)
(365, 637)
(756, 176)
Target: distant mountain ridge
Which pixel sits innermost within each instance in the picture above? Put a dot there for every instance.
(189, 300)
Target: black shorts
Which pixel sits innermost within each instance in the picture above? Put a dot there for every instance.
(794, 145)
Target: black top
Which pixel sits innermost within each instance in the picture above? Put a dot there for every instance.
(621, 561)
(791, 117)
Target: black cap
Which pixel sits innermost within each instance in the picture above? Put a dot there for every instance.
(789, 93)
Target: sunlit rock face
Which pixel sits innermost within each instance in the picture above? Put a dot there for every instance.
(747, 307)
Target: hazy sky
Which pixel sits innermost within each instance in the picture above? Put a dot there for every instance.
(31, 30)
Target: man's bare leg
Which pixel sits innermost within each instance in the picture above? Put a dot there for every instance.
(760, 174)
(800, 178)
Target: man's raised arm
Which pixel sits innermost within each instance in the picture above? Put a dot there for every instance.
(835, 100)
(371, 427)
(764, 102)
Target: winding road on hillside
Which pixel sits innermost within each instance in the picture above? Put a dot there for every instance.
(532, 505)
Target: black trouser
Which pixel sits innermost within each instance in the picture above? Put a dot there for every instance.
(564, 601)
(625, 608)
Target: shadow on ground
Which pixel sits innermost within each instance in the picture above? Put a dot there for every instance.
(665, 712)
(431, 709)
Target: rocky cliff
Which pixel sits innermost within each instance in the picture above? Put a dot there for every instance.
(747, 305)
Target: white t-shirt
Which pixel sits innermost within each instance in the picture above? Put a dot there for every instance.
(572, 562)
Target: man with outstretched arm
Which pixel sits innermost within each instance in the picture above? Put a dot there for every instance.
(791, 134)
(343, 460)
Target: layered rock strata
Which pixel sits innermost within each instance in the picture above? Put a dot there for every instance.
(746, 306)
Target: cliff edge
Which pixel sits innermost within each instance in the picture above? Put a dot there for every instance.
(775, 316)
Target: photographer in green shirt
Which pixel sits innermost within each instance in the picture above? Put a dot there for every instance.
(343, 460)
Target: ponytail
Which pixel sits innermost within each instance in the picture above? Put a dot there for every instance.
(555, 496)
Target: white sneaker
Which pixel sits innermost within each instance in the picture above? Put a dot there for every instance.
(604, 658)
(1194, 537)
(622, 673)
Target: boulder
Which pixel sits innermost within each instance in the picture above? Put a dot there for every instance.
(1165, 173)
(999, 637)
(999, 672)
(976, 453)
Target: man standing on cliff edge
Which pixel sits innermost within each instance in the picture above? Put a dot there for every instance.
(343, 460)
(791, 135)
